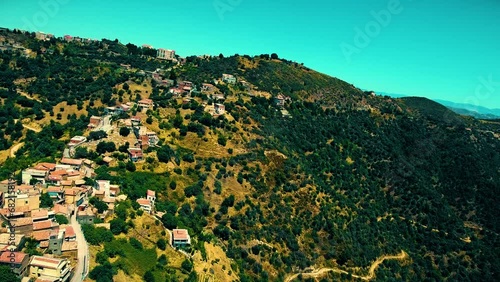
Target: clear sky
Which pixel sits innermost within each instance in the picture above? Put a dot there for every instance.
(447, 49)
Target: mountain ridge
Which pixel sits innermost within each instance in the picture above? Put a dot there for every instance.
(476, 111)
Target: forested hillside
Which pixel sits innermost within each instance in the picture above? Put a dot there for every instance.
(337, 181)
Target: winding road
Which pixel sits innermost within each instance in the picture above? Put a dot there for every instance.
(371, 271)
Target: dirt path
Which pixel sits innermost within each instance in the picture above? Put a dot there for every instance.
(28, 96)
(31, 128)
(14, 149)
(371, 271)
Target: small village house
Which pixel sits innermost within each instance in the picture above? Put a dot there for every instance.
(95, 122)
(145, 204)
(135, 154)
(180, 238)
(145, 104)
(49, 269)
(17, 261)
(228, 78)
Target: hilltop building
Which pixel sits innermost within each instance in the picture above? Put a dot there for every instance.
(165, 54)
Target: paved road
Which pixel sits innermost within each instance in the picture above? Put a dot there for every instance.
(82, 266)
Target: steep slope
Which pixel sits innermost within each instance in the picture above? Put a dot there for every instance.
(343, 181)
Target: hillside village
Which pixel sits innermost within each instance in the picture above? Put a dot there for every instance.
(130, 163)
(52, 200)
(49, 192)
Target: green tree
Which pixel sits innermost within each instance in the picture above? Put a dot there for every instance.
(222, 140)
(136, 243)
(118, 226)
(104, 147)
(130, 166)
(187, 266)
(121, 211)
(162, 244)
(46, 201)
(124, 131)
(7, 275)
(101, 257)
(61, 219)
(98, 204)
(169, 221)
(165, 154)
(97, 135)
(102, 273)
(163, 260)
(148, 276)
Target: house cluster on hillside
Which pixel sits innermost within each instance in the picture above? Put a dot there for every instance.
(228, 78)
(160, 80)
(183, 88)
(11, 45)
(43, 36)
(21, 206)
(147, 204)
(145, 138)
(117, 110)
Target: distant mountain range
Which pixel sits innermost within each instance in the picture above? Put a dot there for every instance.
(460, 108)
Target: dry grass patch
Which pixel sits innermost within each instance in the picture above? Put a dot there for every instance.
(217, 267)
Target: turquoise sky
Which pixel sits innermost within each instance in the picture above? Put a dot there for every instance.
(448, 49)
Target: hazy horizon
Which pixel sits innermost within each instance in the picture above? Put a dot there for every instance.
(444, 50)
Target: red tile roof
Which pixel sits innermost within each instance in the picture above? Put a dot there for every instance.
(71, 161)
(69, 246)
(69, 232)
(39, 213)
(60, 209)
(135, 152)
(144, 202)
(146, 101)
(73, 173)
(70, 192)
(45, 262)
(67, 182)
(41, 225)
(180, 234)
(50, 166)
(23, 221)
(41, 235)
(151, 193)
(54, 189)
(6, 257)
(59, 172)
